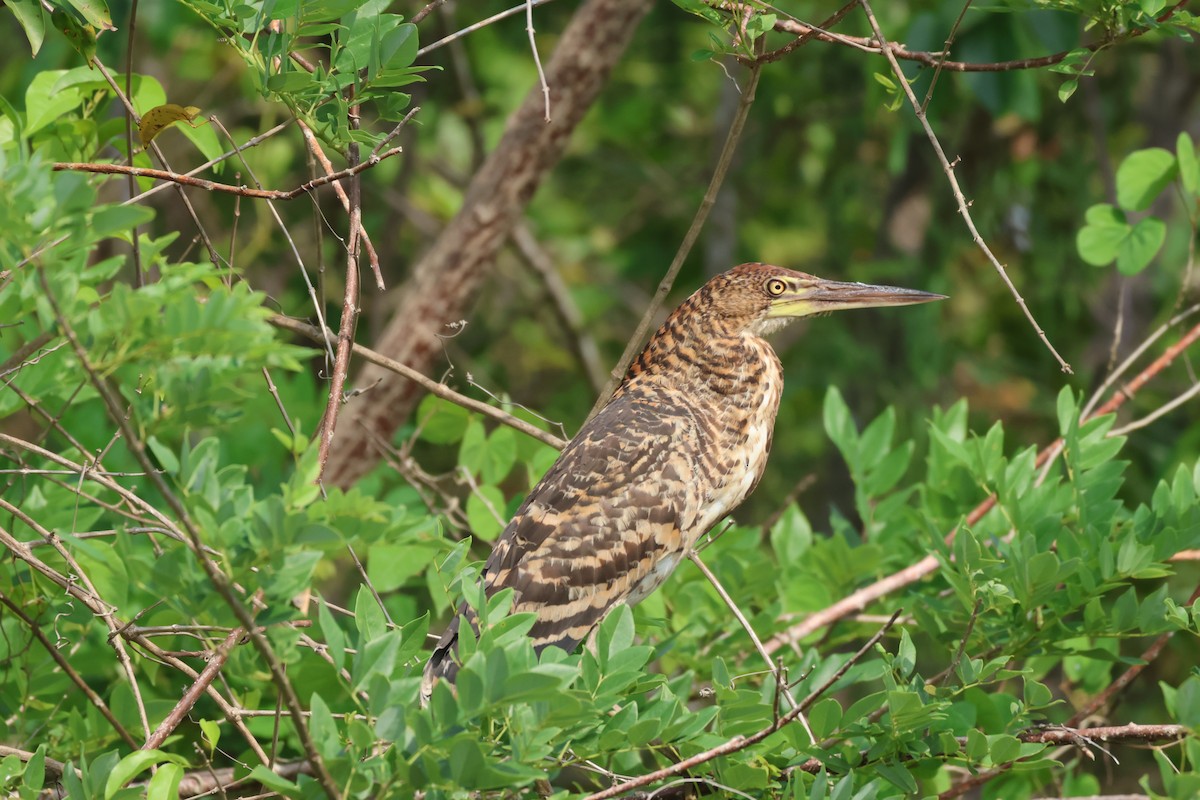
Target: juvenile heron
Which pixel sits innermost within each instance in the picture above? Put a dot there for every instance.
(682, 442)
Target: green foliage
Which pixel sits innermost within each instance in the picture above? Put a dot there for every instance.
(1142, 177)
(1029, 607)
(362, 56)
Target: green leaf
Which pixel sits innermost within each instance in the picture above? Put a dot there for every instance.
(792, 535)
(899, 776)
(32, 19)
(473, 451)
(1143, 175)
(43, 105)
(166, 456)
(1065, 408)
(1187, 703)
(335, 639)
(35, 770)
(95, 12)
(389, 564)
(165, 783)
(368, 616)
(840, 426)
(322, 727)
(210, 730)
(1066, 89)
(1108, 237)
(485, 512)
(1004, 748)
(1141, 246)
(825, 717)
(1099, 240)
(615, 634)
(1189, 168)
(273, 782)
(378, 656)
(501, 454)
(134, 763)
(398, 47)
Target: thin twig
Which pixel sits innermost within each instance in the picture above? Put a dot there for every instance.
(685, 247)
(781, 685)
(948, 168)
(213, 256)
(350, 310)
(483, 23)
(314, 147)
(943, 56)
(564, 306)
(1125, 678)
(213, 186)
(1162, 410)
(216, 577)
(537, 59)
(1115, 375)
(425, 12)
(736, 743)
(69, 671)
(430, 385)
(106, 611)
(928, 59)
(253, 141)
(804, 38)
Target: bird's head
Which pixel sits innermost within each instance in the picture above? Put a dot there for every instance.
(760, 298)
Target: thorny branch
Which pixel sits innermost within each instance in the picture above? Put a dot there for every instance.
(213, 186)
(948, 168)
(349, 321)
(938, 60)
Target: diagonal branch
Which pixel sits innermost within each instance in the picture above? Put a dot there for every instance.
(948, 168)
(689, 239)
(428, 384)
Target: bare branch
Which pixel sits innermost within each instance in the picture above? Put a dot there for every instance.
(215, 663)
(213, 186)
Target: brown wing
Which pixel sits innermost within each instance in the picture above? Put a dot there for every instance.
(593, 528)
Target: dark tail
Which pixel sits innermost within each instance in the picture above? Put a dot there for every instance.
(443, 662)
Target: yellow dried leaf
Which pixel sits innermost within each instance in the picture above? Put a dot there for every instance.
(156, 119)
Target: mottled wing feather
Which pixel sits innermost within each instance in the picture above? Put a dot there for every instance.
(596, 528)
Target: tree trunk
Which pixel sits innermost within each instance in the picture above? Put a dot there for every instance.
(444, 282)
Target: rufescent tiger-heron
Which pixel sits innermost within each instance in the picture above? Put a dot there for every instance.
(680, 445)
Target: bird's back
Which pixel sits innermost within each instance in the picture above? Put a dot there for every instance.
(681, 444)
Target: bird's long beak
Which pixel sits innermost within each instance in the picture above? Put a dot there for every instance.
(819, 296)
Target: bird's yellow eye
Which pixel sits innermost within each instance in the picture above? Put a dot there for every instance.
(776, 287)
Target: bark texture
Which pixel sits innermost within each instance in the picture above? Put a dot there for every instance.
(445, 281)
